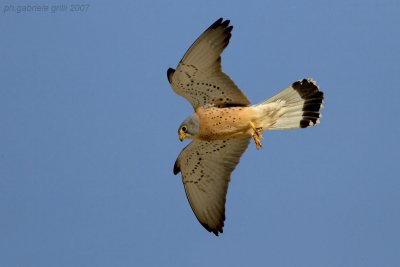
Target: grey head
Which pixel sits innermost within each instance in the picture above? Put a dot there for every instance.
(189, 127)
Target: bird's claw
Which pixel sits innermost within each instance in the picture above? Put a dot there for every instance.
(257, 136)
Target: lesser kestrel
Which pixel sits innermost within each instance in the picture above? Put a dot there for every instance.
(224, 121)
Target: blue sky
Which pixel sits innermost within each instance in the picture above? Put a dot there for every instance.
(88, 136)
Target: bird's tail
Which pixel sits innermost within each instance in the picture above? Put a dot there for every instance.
(297, 106)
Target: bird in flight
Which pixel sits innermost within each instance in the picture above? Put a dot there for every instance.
(224, 121)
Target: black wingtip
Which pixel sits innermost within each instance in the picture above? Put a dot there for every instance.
(177, 169)
(214, 231)
(225, 23)
(216, 23)
(220, 22)
(170, 72)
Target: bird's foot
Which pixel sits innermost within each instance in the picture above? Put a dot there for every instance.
(257, 136)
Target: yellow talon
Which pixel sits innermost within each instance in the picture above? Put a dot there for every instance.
(256, 136)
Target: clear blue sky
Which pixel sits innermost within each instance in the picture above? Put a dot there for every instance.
(88, 136)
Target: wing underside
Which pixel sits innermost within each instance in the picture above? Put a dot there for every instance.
(206, 168)
(199, 77)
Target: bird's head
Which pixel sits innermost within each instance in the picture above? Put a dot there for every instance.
(189, 127)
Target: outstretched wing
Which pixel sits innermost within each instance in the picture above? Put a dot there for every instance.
(206, 169)
(199, 77)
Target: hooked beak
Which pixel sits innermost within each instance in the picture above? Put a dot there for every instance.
(182, 135)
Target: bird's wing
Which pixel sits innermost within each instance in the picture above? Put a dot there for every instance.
(199, 77)
(206, 169)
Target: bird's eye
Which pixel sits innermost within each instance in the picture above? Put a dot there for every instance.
(184, 129)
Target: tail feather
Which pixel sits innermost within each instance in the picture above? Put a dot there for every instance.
(297, 106)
